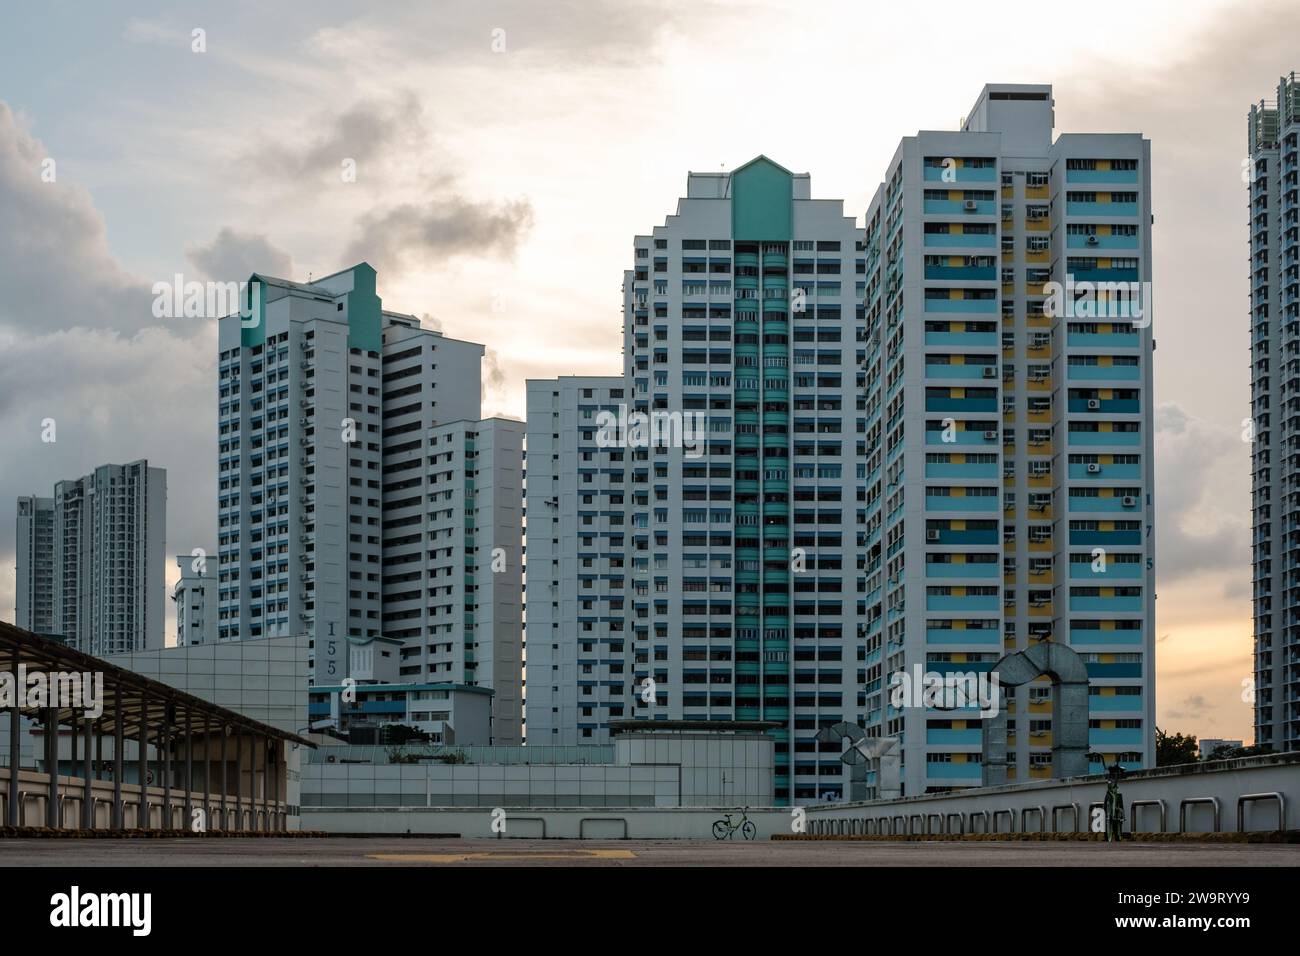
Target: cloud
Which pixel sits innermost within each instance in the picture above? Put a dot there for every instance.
(139, 30)
(560, 35)
(79, 345)
(233, 256)
(55, 267)
(1192, 707)
(494, 375)
(1202, 476)
(372, 131)
(412, 236)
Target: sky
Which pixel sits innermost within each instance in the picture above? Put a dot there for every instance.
(505, 155)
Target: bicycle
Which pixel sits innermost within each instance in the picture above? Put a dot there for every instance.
(725, 829)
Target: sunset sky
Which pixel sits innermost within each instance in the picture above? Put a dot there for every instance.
(507, 153)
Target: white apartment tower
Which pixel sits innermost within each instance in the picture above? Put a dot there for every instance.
(90, 560)
(1007, 481)
(1274, 168)
(579, 664)
(195, 597)
(329, 416)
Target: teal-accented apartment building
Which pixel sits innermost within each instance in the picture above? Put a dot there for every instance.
(360, 494)
(1273, 142)
(1007, 486)
(909, 457)
(742, 308)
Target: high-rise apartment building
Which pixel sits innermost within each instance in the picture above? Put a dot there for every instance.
(1273, 144)
(922, 443)
(334, 418)
(579, 665)
(741, 316)
(90, 560)
(1008, 430)
(691, 545)
(34, 609)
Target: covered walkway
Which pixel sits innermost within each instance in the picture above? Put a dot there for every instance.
(141, 754)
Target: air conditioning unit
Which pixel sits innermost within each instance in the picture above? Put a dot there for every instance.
(305, 403)
(932, 534)
(970, 205)
(304, 344)
(304, 441)
(990, 436)
(990, 371)
(304, 364)
(1092, 240)
(1128, 501)
(1094, 468)
(303, 420)
(304, 480)
(1094, 404)
(304, 576)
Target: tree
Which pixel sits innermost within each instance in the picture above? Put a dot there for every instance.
(1174, 749)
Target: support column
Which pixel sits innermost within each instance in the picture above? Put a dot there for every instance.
(119, 745)
(224, 790)
(207, 773)
(275, 786)
(239, 782)
(266, 784)
(99, 752)
(142, 760)
(52, 768)
(165, 746)
(189, 771)
(15, 752)
(87, 793)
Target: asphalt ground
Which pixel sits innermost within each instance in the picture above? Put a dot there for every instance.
(389, 852)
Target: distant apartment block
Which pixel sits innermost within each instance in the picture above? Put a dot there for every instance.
(35, 543)
(339, 422)
(1273, 144)
(195, 597)
(1210, 744)
(90, 560)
